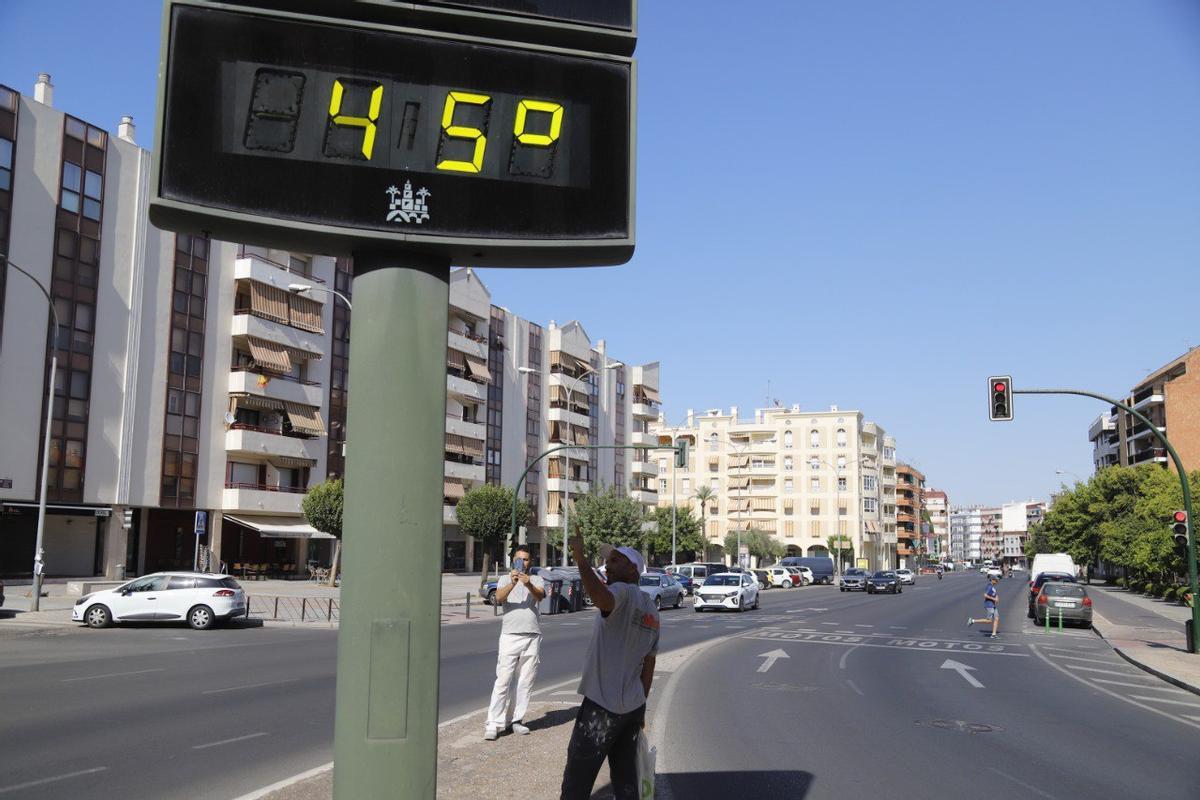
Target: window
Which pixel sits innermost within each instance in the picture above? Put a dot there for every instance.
(814, 463)
(713, 442)
(787, 440)
(814, 484)
(889, 453)
(788, 486)
(715, 484)
(662, 467)
(870, 505)
(869, 483)
(6, 164)
(72, 177)
(841, 437)
(814, 438)
(93, 187)
(841, 462)
(662, 485)
(687, 486)
(841, 484)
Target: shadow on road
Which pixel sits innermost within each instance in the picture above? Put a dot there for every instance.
(551, 719)
(782, 783)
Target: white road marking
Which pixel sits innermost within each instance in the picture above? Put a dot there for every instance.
(855, 688)
(845, 655)
(250, 686)
(1094, 669)
(797, 610)
(564, 692)
(771, 658)
(702, 626)
(861, 625)
(229, 741)
(734, 627)
(1088, 660)
(113, 675)
(863, 640)
(18, 786)
(831, 623)
(1020, 782)
(963, 670)
(850, 633)
(568, 623)
(898, 627)
(1110, 692)
(1141, 686)
(1165, 700)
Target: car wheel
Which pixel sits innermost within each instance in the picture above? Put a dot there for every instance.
(201, 618)
(755, 602)
(697, 609)
(678, 599)
(491, 597)
(658, 602)
(1029, 613)
(899, 589)
(97, 616)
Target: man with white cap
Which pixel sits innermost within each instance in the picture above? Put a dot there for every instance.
(616, 675)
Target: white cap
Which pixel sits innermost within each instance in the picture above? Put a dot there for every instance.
(632, 554)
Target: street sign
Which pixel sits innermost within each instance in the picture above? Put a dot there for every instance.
(201, 524)
(331, 135)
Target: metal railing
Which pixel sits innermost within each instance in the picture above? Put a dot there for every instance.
(263, 487)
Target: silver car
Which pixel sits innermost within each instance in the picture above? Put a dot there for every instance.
(663, 587)
(854, 580)
(1069, 601)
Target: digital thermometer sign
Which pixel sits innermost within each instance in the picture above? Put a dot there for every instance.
(329, 136)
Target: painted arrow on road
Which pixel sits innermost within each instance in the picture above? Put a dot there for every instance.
(771, 658)
(964, 670)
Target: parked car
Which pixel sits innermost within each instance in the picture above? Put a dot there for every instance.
(994, 572)
(1066, 598)
(1052, 562)
(665, 590)
(906, 576)
(202, 599)
(1035, 586)
(697, 571)
(727, 590)
(884, 581)
(761, 576)
(803, 576)
(854, 580)
(780, 577)
(821, 566)
(689, 586)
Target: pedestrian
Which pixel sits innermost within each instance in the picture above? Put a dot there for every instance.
(617, 674)
(991, 607)
(518, 655)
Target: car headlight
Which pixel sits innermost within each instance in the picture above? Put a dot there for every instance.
(731, 594)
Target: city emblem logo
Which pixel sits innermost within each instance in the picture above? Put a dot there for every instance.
(407, 205)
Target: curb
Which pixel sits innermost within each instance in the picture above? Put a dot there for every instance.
(286, 782)
(1171, 679)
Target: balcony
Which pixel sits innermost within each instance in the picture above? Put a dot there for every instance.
(465, 389)
(1142, 429)
(256, 268)
(461, 343)
(646, 411)
(644, 468)
(1150, 454)
(644, 439)
(468, 430)
(569, 417)
(575, 487)
(262, 499)
(464, 472)
(261, 442)
(246, 324)
(645, 496)
(277, 387)
(1146, 398)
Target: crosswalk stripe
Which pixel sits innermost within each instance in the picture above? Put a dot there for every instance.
(1089, 660)
(1165, 700)
(1105, 671)
(1143, 687)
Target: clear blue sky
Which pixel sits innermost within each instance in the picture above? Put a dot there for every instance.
(874, 204)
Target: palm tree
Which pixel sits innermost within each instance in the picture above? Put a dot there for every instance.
(703, 494)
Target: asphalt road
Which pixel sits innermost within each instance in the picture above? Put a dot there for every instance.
(893, 696)
(166, 712)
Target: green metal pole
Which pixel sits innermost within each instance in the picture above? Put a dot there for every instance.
(1183, 482)
(385, 734)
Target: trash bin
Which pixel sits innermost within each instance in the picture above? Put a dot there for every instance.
(575, 594)
(551, 602)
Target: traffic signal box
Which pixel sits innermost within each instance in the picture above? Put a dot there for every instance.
(681, 454)
(1179, 528)
(1000, 408)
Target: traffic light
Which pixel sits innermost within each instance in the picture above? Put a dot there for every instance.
(1179, 530)
(1000, 407)
(681, 454)
(127, 519)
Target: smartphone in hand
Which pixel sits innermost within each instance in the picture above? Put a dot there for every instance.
(519, 564)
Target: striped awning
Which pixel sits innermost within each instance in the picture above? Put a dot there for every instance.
(762, 503)
(305, 419)
(452, 489)
(478, 369)
(651, 394)
(269, 301)
(254, 401)
(472, 447)
(269, 355)
(305, 313)
(456, 359)
(296, 354)
(288, 462)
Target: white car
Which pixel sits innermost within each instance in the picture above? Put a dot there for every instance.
(202, 599)
(780, 577)
(906, 576)
(735, 591)
(806, 574)
(994, 572)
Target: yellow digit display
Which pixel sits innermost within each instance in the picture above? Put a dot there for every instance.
(367, 123)
(538, 139)
(478, 135)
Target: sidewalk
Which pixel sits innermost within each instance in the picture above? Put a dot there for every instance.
(1146, 632)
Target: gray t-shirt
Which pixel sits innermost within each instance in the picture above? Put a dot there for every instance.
(520, 608)
(612, 672)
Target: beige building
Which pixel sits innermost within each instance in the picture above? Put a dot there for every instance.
(802, 476)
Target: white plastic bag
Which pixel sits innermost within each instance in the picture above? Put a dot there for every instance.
(645, 767)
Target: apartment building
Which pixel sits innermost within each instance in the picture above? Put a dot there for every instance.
(1170, 397)
(910, 502)
(516, 389)
(937, 504)
(976, 530)
(802, 476)
(197, 376)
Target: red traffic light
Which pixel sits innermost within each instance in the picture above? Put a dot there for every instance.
(1181, 516)
(999, 387)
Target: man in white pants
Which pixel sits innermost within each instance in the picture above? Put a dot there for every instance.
(520, 646)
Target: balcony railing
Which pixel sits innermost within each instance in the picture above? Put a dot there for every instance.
(472, 336)
(266, 487)
(242, 426)
(242, 253)
(275, 376)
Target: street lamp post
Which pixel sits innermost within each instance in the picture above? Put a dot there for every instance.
(303, 288)
(840, 537)
(39, 565)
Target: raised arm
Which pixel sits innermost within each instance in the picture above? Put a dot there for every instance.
(596, 588)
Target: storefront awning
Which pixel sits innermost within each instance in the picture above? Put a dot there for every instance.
(280, 527)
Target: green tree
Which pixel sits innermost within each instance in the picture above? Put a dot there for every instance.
(760, 544)
(604, 517)
(485, 514)
(322, 507)
(688, 538)
(841, 552)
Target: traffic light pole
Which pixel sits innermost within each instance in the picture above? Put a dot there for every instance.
(1194, 640)
(385, 726)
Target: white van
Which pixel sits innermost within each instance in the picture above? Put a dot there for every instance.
(1051, 562)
